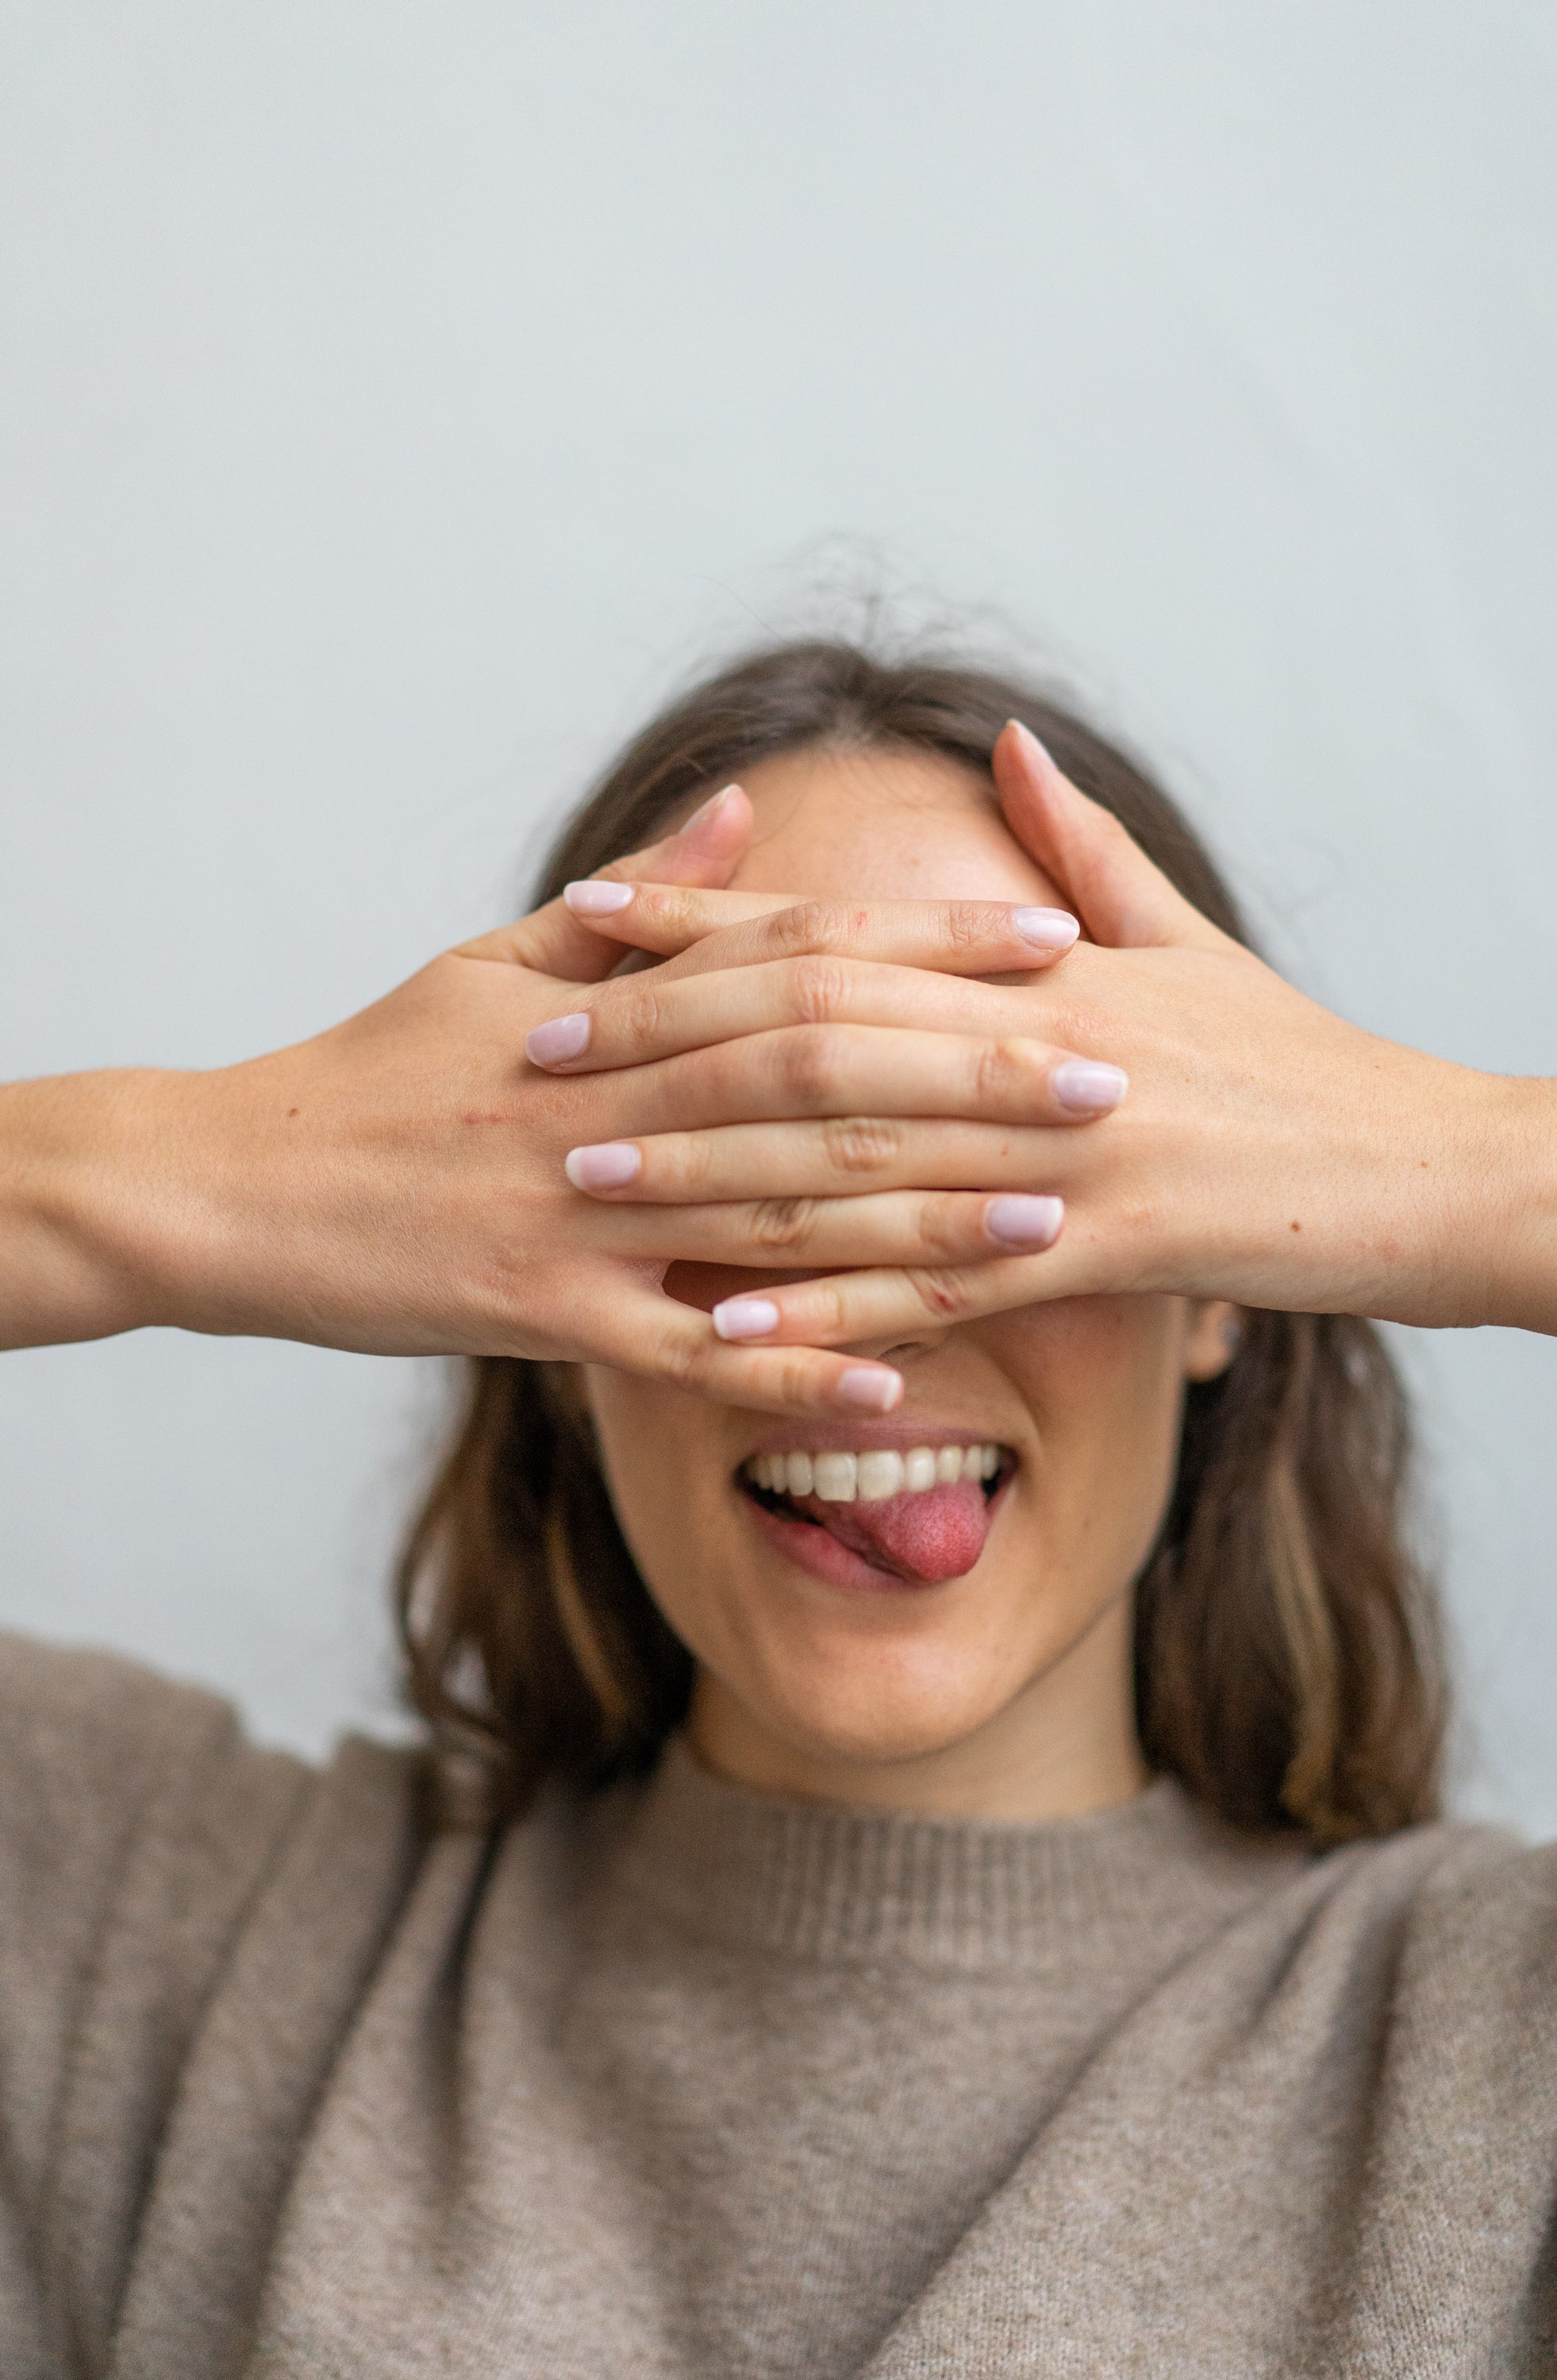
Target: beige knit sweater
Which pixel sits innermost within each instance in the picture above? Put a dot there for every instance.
(689, 2082)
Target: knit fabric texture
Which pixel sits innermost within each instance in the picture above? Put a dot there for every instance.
(685, 2080)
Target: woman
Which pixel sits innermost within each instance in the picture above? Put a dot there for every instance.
(927, 1858)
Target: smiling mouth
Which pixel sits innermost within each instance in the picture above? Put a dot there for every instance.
(882, 1516)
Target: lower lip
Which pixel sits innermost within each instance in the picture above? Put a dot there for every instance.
(812, 1547)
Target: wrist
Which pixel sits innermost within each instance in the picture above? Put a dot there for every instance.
(77, 1199)
(1510, 1200)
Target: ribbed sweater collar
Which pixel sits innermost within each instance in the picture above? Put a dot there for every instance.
(817, 1882)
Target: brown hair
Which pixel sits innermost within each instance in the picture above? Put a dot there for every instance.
(1287, 1664)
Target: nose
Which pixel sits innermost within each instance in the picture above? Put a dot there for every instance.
(919, 1344)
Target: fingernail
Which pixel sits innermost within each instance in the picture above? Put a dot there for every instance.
(604, 1165)
(559, 1038)
(706, 810)
(877, 1389)
(1047, 929)
(1041, 750)
(1086, 1088)
(1024, 1223)
(595, 896)
(746, 1317)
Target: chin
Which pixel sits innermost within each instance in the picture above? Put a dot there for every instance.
(880, 1695)
(886, 1739)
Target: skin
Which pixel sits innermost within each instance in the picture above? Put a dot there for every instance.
(1007, 1690)
(1269, 1152)
(396, 1183)
(848, 1057)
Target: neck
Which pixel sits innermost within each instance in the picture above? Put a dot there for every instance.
(1064, 1746)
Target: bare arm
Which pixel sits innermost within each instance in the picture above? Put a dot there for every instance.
(64, 1173)
(1269, 1152)
(400, 1184)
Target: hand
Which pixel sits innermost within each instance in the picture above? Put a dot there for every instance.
(396, 1185)
(1270, 1153)
(360, 1189)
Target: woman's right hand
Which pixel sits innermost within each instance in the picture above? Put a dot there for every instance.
(397, 1184)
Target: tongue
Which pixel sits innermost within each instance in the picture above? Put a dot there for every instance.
(937, 1532)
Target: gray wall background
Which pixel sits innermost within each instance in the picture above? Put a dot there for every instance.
(398, 398)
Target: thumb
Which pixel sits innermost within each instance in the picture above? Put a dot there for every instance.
(1122, 898)
(705, 852)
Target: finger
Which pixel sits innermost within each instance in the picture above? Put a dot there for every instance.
(655, 1337)
(639, 1018)
(885, 1306)
(705, 847)
(969, 937)
(557, 941)
(856, 1308)
(1124, 899)
(837, 1157)
(855, 1069)
(901, 1227)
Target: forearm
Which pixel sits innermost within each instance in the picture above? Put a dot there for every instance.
(73, 1196)
(1509, 1202)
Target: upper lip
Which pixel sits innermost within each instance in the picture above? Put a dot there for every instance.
(859, 1436)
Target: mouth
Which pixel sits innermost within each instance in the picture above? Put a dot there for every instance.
(881, 1516)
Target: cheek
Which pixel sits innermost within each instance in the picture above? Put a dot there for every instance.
(665, 1468)
(1082, 1351)
(1103, 1380)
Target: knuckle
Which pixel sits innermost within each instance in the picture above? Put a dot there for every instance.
(815, 926)
(694, 1156)
(681, 1361)
(943, 1291)
(818, 988)
(793, 1375)
(784, 1224)
(942, 1224)
(855, 1145)
(967, 924)
(640, 1013)
(1000, 1071)
(809, 1061)
(826, 1310)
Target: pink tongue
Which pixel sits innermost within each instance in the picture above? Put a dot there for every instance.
(939, 1532)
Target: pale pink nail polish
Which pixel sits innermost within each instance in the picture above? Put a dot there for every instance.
(1087, 1088)
(1021, 1221)
(604, 1165)
(1042, 750)
(746, 1317)
(706, 810)
(1046, 929)
(878, 1391)
(593, 896)
(559, 1038)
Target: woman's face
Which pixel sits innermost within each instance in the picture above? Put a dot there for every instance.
(966, 1646)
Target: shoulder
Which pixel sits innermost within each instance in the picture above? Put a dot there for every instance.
(1443, 1914)
(1455, 1925)
(150, 1853)
(91, 1746)
(107, 1769)
(81, 1719)
(142, 1832)
(96, 1749)
(1485, 1909)
(1433, 1876)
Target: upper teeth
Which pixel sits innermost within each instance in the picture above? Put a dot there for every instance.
(883, 1471)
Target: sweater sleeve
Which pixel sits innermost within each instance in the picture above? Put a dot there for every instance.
(137, 1825)
(1455, 2227)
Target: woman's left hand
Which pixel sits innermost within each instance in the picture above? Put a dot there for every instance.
(1268, 1153)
